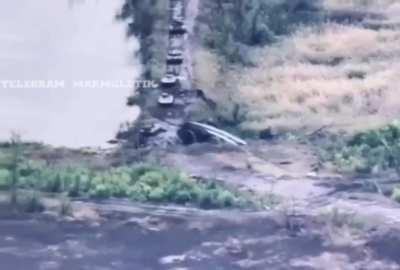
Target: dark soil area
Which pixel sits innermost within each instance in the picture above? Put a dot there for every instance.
(160, 238)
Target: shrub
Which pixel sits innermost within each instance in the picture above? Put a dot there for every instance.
(4, 179)
(100, 191)
(226, 199)
(75, 189)
(145, 19)
(396, 194)
(207, 199)
(183, 196)
(142, 183)
(135, 193)
(152, 179)
(371, 151)
(253, 23)
(138, 170)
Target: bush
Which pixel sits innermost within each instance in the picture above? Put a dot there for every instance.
(253, 23)
(145, 18)
(136, 193)
(371, 151)
(100, 191)
(152, 179)
(157, 194)
(4, 179)
(139, 170)
(396, 194)
(226, 199)
(142, 183)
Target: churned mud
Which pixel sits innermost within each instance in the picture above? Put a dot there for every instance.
(119, 235)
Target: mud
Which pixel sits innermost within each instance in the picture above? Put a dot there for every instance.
(144, 237)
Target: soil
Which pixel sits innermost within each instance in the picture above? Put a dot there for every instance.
(125, 236)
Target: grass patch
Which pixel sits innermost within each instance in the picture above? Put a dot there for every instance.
(374, 151)
(140, 183)
(371, 151)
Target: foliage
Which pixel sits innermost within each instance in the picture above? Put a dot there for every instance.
(141, 182)
(396, 194)
(145, 18)
(374, 150)
(5, 176)
(235, 24)
(10, 165)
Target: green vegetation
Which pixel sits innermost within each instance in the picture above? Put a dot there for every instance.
(10, 166)
(371, 151)
(396, 194)
(147, 20)
(141, 183)
(234, 25)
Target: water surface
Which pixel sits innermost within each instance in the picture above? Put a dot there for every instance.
(69, 41)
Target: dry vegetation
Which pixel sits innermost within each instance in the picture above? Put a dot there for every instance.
(342, 75)
(219, 82)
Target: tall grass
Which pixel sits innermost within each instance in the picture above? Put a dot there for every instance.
(339, 75)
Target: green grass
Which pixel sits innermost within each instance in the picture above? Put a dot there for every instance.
(371, 151)
(140, 183)
(5, 175)
(374, 151)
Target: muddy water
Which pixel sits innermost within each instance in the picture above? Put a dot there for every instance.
(66, 43)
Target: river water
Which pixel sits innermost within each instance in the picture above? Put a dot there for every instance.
(82, 54)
